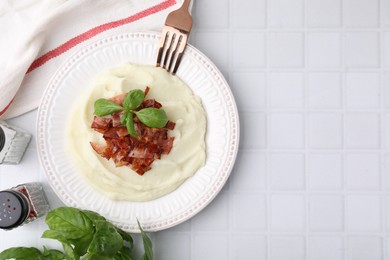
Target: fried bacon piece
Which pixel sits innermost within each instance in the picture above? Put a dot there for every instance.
(126, 150)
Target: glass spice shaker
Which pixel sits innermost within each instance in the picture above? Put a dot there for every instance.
(22, 204)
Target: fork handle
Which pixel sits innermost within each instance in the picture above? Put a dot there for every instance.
(186, 5)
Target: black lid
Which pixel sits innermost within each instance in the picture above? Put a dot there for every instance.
(14, 209)
(2, 138)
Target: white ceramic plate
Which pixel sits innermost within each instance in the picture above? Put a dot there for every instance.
(194, 194)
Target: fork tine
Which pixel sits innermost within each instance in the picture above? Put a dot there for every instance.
(181, 48)
(163, 41)
(168, 53)
(175, 52)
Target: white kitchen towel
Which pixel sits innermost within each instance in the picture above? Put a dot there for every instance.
(38, 35)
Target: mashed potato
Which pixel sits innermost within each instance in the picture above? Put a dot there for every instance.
(181, 105)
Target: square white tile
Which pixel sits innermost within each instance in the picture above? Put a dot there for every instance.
(205, 11)
(217, 211)
(287, 171)
(361, 130)
(386, 129)
(324, 13)
(289, 247)
(325, 248)
(286, 90)
(169, 242)
(254, 13)
(250, 172)
(210, 246)
(387, 212)
(286, 130)
(386, 48)
(249, 247)
(249, 90)
(253, 124)
(385, 12)
(324, 90)
(364, 247)
(287, 213)
(361, 13)
(325, 171)
(324, 49)
(363, 213)
(361, 49)
(249, 212)
(285, 13)
(386, 89)
(386, 170)
(325, 130)
(326, 213)
(285, 49)
(250, 45)
(363, 90)
(362, 171)
(218, 55)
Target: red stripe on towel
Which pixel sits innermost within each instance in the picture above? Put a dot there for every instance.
(6, 107)
(96, 30)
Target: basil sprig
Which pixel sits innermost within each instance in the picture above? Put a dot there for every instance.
(84, 235)
(151, 117)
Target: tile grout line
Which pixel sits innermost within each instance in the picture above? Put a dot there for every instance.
(381, 51)
(306, 131)
(343, 107)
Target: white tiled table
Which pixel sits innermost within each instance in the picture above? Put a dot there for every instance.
(312, 178)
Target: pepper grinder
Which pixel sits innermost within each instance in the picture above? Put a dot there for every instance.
(22, 204)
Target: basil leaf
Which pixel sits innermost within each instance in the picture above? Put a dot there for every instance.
(148, 254)
(71, 222)
(53, 254)
(81, 245)
(133, 99)
(70, 253)
(21, 253)
(123, 255)
(105, 107)
(54, 234)
(106, 241)
(130, 125)
(124, 117)
(93, 216)
(152, 117)
(126, 237)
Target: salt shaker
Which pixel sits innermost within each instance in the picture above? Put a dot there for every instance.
(22, 204)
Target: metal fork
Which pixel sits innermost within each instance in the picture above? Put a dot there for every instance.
(174, 38)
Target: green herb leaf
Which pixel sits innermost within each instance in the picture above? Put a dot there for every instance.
(133, 99)
(152, 117)
(70, 253)
(123, 255)
(53, 254)
(104, 107)
(124, 116)
(71, 222)
(106, 241)
(148, 254)
(54, 234)
(70, 225)
(126, 237)
(130, 125)
(21, 253)
(93, 216)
